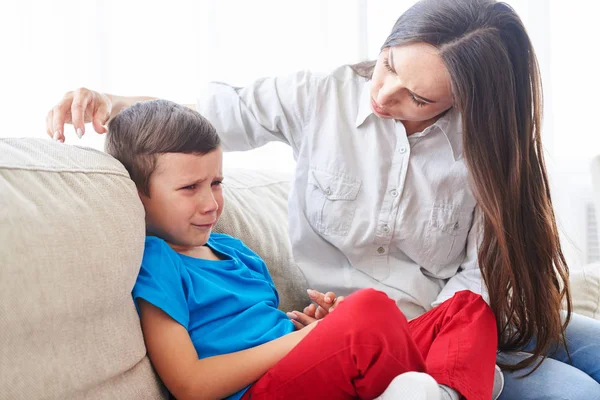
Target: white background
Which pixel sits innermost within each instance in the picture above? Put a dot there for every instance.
(169, 49)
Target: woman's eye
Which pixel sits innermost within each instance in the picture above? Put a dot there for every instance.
(387, 66)
(190, 187)
(417, 102)
(217, 183)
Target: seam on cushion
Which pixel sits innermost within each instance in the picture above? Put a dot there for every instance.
(127, 373)
(234, 185)
(588, 279)
(63, 170)
(597, 310)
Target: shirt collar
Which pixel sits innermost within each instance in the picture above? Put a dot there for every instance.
(450, 124)
(364, 105)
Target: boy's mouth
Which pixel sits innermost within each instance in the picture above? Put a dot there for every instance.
(205, 226)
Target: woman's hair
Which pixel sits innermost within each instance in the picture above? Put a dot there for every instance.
(140, 133)
(497, 89)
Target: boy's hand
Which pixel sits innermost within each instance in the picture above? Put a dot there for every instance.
(302, 321)
(325, 303)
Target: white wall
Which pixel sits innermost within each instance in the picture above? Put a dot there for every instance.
(169, 49)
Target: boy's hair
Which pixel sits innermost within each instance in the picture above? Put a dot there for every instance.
(140, 133)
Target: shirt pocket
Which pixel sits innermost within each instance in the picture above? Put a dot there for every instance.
(331, 201)
(445, 237)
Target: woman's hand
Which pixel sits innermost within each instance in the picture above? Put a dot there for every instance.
(79, 107)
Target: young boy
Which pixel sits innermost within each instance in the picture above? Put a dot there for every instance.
(208, 305)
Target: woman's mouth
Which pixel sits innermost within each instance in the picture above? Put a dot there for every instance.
(378, 109)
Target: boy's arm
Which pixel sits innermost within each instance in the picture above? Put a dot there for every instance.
(175, 359)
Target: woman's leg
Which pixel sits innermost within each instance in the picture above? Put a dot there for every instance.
(583, 343)
(559, 377)
(553, 380)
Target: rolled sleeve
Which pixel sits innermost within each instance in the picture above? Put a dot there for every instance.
(270, 109)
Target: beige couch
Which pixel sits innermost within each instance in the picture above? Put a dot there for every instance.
(71, 234)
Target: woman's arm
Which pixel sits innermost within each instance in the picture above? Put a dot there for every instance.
(83, 105)
(175, 359)
(469, 277)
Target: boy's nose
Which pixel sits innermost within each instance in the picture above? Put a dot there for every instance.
(208, 204)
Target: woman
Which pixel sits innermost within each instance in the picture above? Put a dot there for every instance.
(420, 174)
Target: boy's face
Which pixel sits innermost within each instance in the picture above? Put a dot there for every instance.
(186, 199)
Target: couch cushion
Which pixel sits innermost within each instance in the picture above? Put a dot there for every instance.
(72, 234)
(585, 290)
(255, 211)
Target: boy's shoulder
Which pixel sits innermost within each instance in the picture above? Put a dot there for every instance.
(224, 239)
(155, 247)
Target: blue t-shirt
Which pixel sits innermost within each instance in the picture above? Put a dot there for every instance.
(226, 306)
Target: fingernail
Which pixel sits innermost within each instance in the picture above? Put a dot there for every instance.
(311, 293)
(327, 299)
(79, 133)
(56, 135)
(291, 315)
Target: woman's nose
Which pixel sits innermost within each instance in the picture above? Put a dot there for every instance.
(386, 95)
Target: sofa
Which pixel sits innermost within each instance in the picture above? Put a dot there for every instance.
(72, 234)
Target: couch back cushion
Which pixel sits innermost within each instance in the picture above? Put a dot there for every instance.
(255, 211)
(585, 290)
(71, 234)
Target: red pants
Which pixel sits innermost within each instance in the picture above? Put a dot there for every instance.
(358, 349)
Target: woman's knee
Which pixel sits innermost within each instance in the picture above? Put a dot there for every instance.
(552, 380)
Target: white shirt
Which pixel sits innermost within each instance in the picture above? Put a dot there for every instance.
(369, 206)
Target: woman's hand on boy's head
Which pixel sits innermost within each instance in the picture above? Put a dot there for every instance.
(78, 108)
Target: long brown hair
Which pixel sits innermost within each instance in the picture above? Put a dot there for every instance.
(497, 89)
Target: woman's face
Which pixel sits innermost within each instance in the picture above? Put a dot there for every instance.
(410, 83)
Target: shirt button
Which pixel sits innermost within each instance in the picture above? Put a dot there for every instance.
(394, 193)
(328, 191)
(402, 150)
(386, 228)
(380, 250)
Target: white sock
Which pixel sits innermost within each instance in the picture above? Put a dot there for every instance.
(413, 386)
